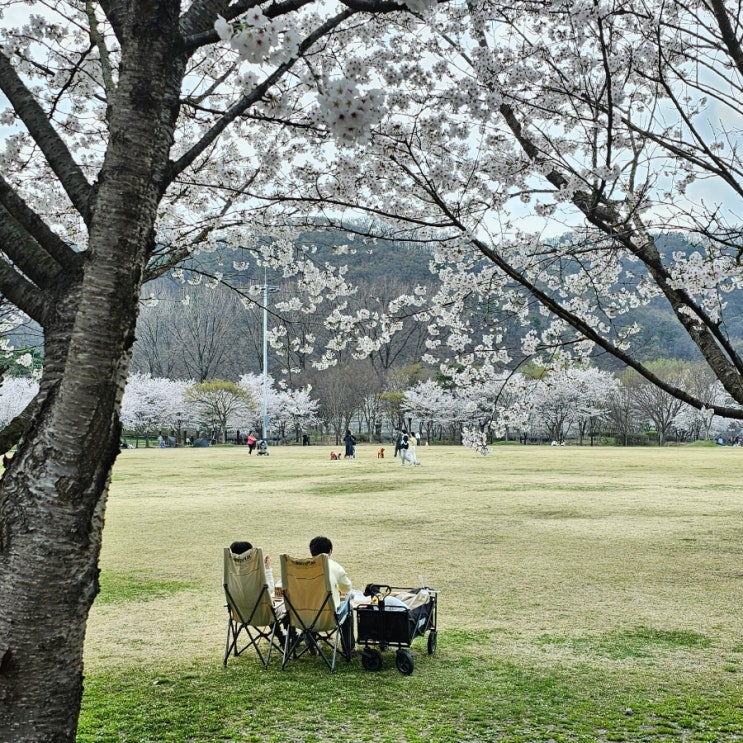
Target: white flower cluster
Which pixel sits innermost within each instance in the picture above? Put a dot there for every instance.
(348, 113)
(257, 38)
(475, 440)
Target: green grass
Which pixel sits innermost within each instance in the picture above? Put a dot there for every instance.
(586, 595)
(638, 642)
(117, 588)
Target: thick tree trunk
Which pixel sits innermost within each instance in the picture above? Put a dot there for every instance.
(51, 511)
(52, 496)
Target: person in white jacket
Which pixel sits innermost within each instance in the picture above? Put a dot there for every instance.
(410, 453)
(339, 581)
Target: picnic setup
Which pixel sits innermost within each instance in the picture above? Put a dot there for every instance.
(303, 616)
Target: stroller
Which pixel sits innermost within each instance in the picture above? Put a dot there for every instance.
(394, 619)
(262, 447)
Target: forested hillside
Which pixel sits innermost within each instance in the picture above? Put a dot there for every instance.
(200, 331)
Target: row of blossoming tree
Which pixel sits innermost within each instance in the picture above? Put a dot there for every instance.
(577, 403)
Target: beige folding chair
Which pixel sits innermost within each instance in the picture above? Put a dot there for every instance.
(253, 618)
(314, 621)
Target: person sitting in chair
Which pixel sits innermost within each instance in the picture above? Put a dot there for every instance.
(240, 548)
(339, 581)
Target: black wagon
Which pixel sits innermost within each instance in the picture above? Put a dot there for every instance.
(393, 619)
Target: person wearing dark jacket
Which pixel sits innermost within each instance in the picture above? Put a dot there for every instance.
(350, 441)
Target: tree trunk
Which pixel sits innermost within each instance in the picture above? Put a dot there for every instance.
(53, 494)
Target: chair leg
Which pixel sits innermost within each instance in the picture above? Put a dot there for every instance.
(231, 641)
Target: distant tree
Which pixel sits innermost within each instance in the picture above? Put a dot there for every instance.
(155, 351)
(340, 391)
(254, 383)
(370, 408)
(153, 404)
(653, 404)
(295, 410)
(204, 332)
(594, 389)
(220, 403)
(430, 405)
(621, 416)
(392, 408)
(572, 397)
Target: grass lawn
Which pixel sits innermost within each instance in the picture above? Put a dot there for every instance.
(587, 594)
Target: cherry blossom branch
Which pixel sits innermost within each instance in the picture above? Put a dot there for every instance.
(55, 151)
(590, 333)
(57, 249)
(250, 99)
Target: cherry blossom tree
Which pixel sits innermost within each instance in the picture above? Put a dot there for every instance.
(340, 392)
(431, 405)
(154, 404)
(554, 154)
(295, 410)
(132, 132)
(261, 391)
(140, 135)
(572, 398)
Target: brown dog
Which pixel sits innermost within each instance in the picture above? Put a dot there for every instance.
(380, 453)
(335, 455)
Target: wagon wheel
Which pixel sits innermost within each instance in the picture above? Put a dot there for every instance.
(404, 662)
(432, 642)
(371, 659)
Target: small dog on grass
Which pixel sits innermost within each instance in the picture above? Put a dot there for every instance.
(335, 455)
(380, 453)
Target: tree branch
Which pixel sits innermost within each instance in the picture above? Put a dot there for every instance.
(16, 429)
(25, 252)
(106, 70)
(37, 228)
(18, 290)
(728, 33)
(50, 143)
(246, 101)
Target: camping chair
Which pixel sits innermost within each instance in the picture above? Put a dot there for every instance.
(314, 622)
(251, 611)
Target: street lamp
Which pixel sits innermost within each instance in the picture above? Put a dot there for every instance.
(264, 417)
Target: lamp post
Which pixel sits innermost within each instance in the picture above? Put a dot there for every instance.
(264, 417)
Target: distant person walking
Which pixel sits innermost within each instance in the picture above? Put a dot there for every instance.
(404, 446)
(398, 440)
(412, 452)
(350, 441)
(252, 441)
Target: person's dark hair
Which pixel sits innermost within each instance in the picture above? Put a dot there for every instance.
(237, 548)
(320, 545)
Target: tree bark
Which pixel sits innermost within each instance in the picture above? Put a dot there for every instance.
(53, 494)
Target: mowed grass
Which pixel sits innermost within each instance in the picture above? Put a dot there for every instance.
(586, 594)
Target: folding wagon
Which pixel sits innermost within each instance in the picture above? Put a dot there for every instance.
(394, 619)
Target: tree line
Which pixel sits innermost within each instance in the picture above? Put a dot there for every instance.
(580, 404)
